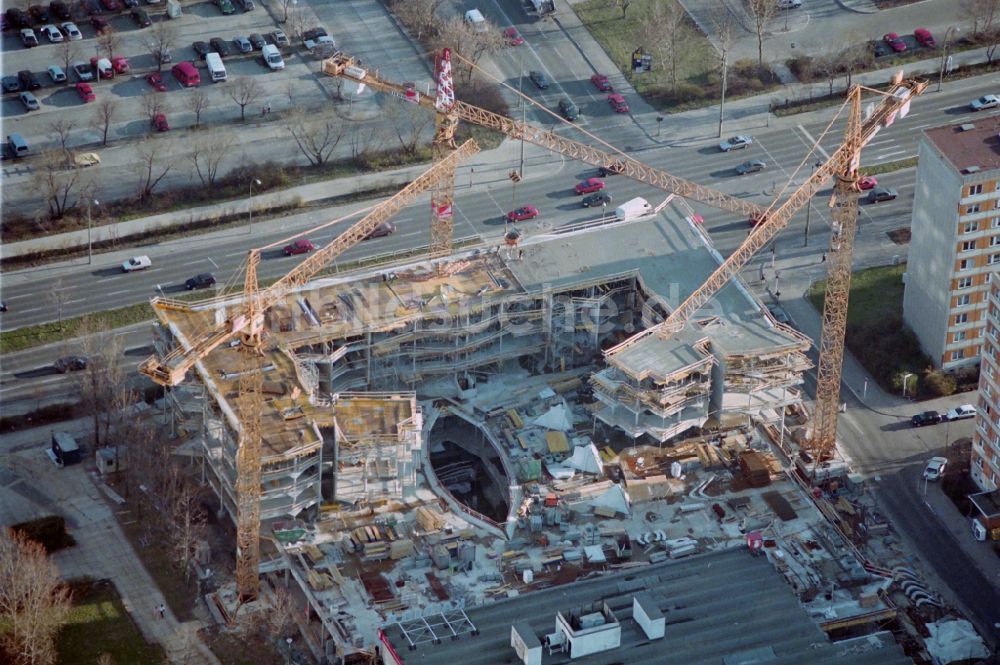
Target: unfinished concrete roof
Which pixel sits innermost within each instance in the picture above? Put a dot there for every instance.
(722, 607)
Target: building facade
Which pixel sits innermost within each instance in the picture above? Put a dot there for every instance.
(985, 467)
(955, 240)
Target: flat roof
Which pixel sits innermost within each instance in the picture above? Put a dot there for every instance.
(979, 146)
(718, 608)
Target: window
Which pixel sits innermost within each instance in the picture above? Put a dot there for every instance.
(962, 300)
(972, 208)
(961, 318)
(970, 245)
(958, 354)
(994, 258)
(975, 189)
(965, 282)
(994, 241)
(970, 227)
(959, 336)
(966, 264)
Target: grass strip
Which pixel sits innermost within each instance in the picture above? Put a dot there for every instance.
(889, 167)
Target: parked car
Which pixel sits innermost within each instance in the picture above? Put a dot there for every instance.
(312, 34)
(539, 79)
(895, 42)
(159, 122)
(136, 263)
(84, 72)
(219, 46)
(618, 103)
(513, 37)
(601, 82)
(39, 14)
(300, 246)
(51, 33)
(28, 80)
(111, 5)
(247, 5)
(382, 230)
(243, 44)
(596, 199)
(879, 194)
(280, 38)
(56, 73)
(70, 364)
(225, 6)
(72, 32)
(141, 17)
(960, 412)
(28, 38)
(736, 143)
(779, 314)
(751, 166)
(867, 182)
(935, 468)
(926, 418)
(156, 81)
(103, 66)
(60, 10)
(924, 37)
(568, 109)
(257, 41)
(522, 213)
(589, 186)
(985, 102)
(11, 84)
(614, 169)
(789, 4)
(85, 92)
(120, 64)
(201, 49)
(17, 19)
(100, 24)
(202, 281)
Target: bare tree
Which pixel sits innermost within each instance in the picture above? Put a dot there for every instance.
(471, 44)
(281, 612)
(663, 28)
(110, 42)
(105, 659)
(161, 40)
(197, 102)
(992, 48)
(105, 112)
(33, 601)
(152, 168)
(207, 157)
(153, 104)
(286, 7)
(105, 389)
(244, 91)
(295, 23)
(981, 14)
(68, 54)
(419, 16)
(55, 182)
(623, 5)
(761, 12)
(61, 128)
(725, 37)
(317, 139)
(409, 123)
(854, 58)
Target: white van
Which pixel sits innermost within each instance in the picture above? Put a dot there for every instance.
(632, 209)
(272, 57)
(475, 18)
(216, 69)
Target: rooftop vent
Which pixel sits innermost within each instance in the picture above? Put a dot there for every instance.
(971, 169)
(966, 127)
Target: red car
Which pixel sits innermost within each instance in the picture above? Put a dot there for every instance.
(589, 186)
(111, 5)
(156, 81)
(120, 64)
(101, 25)
(159, 121)
(601, 82)
(86, 92)
(867, 182)
(513, 37)
(618, 103)
(522, 213)
(924, 37)
(300, 246)
(895, 42)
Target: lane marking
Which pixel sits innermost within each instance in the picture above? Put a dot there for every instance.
(813, 142)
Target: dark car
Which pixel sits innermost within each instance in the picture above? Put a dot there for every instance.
(257, 41)
(70, 364)
(539, 79)
(201, 49)
(752, 166)
(60, 10)
(39, 13)
(17, 18)
(111, 5)
(141, 18)
(28, 80)
(219, 46)
(383, 229)
(11, 84)
(880, 194)
(300, 246)
(202, 281)
(131, 3)
(568, 109)
(312, 34)
(614, 169)
(596, 199)
(101, 25)
(926, 418)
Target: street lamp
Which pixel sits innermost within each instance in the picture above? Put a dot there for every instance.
(604, 211)
(944, 54)
(253, 181)
(906, 376)
(288, 641)
(90, 243)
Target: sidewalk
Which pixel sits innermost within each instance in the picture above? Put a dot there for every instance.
(31, 486)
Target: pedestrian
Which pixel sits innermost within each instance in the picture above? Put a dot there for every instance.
(269, 109)
(162, 609)
(823, 260)
(520, 254)
(263, 111)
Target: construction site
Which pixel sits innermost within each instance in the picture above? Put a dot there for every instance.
(418, 450)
